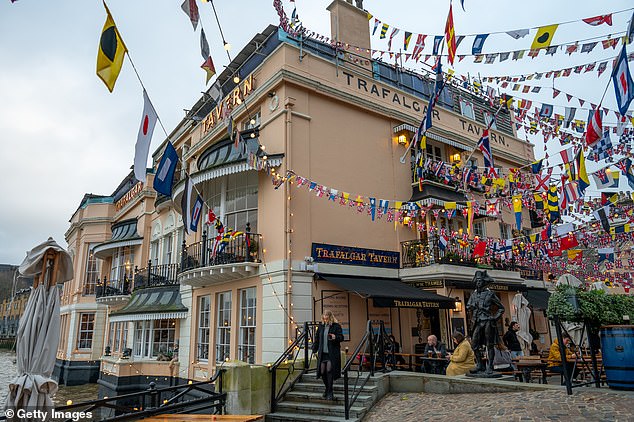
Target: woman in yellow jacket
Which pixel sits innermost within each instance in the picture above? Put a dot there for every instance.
(463, 359)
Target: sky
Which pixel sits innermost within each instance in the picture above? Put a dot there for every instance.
(63, 134)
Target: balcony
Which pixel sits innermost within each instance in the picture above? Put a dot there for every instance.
(211, 261)
(156, 276)
(426, 260)
(113, 292)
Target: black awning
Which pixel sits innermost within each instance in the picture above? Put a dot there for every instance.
(390, 292)
(538, 298)
(447, 194)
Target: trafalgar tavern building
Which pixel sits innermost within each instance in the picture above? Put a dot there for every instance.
(322, 128)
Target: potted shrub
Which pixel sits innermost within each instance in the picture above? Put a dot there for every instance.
(608, 313)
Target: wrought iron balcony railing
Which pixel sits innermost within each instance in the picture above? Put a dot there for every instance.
(422, 253)
(108, 288)
(210, 251)
(156, 275)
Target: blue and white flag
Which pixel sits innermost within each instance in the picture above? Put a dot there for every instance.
(186, 200)
(196, 213)
(623, 84)
(165, 172)
(606, 254)
(443, 240)
(478, 43)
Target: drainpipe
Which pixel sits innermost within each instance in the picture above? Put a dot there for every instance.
(289, 102)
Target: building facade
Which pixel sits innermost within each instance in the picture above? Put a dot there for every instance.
(326, 126)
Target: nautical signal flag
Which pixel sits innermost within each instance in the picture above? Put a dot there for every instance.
(553, 204)
(110, 53)
(598, 20)
(186, 202)
(191, 9)
(450, 36)
(208, 66)
(478, 43)
(406, 39)
(594, 132)
(582, 175)
(165, 171)
(144, 138)
(384, 28)
(605, 254)
(517, 208)
(196, 213)
(536, 166)
(623, 84)
(544, 36)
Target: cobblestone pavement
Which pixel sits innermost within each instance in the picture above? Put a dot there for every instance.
(583, 405)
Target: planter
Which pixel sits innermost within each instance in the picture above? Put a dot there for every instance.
(617, 345)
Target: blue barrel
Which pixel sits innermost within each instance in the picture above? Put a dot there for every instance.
(617, 346)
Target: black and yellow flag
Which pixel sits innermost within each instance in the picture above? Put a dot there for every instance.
(111, 52)
(544, 36)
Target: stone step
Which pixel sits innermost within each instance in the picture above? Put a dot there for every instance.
(291, 417)
(317, 410)
(338, 388)
(316, 397)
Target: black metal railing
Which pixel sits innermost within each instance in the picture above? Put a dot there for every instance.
(362, 364)
(154, 401)
(108, 288)
(210, 251)
(300, 347)
(422, 253)
(155, 276)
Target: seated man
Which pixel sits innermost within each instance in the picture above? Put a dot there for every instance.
(434, 349)
(554, 357)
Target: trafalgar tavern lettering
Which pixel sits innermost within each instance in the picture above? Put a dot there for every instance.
(335, 254)
(415, 304)
(470, 127)
(386, 94)
(128, 196)
(233, 99)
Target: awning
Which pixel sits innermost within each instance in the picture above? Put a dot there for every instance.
(434, 136)
(390, 292)
(437, 195)
(124, 233)
(538, 298)
(152, 303)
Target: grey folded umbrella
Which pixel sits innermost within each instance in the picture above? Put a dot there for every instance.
(38, 332)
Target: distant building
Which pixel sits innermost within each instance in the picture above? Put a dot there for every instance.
(11, 310)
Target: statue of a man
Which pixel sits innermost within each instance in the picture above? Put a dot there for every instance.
(483, 321)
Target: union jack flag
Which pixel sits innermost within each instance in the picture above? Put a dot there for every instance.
(485, 148)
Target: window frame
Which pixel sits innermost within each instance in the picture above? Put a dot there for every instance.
(223, 326)
(92, 273)
(247, 325)
(203, 328)
(466, 105)
(85, 331)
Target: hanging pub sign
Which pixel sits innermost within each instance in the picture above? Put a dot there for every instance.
(335, 254)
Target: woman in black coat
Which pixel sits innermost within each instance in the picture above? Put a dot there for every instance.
(327, 346)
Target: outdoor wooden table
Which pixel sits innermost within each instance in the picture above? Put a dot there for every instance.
(528, 366)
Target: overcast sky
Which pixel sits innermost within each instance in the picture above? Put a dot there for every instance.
(63, 134)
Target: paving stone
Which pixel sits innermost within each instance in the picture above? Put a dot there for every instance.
(587, 404)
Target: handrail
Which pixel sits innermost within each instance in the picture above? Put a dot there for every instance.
(156, 405)
(303, 340)
(366, 344)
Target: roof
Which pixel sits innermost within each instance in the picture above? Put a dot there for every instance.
(390, 292)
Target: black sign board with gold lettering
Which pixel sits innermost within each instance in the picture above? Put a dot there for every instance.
(335, 254)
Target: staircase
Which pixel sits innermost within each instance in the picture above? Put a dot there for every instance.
(304, 402)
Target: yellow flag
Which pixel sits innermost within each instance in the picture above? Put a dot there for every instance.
(450, 205)
(544, 36)
(111, 52)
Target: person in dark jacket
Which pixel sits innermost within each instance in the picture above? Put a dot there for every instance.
(511, 341)
(327, 346)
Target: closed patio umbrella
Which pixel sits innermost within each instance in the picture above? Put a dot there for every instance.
(38, 332)
(522, 314)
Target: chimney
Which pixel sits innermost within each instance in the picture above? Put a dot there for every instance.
(349, 25)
